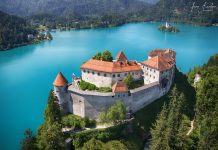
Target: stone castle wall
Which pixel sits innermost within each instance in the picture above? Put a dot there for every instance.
(90, 104)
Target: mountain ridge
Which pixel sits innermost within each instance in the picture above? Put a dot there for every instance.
(69, 7)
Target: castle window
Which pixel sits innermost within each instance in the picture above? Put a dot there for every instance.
(113, 75)
(125, 74)
(154, 71)
(150, 69)
(150, 75)
(88, 71)
(98, 74)
(118, 75)
(154, 77)
(84, 70)
(105, 75)
(123, 95)
(118, 96)
(93, 73)
(147, 68)
(132, 73)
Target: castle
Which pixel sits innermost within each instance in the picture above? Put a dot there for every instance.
(157, 72)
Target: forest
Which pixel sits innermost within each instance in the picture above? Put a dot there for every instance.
(14, 31)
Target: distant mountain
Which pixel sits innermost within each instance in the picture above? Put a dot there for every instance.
(71, 7)
(196, 11)
(13, 31)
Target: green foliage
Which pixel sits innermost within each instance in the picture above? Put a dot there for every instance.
(13, 31)
(91, 87)
(105, 56)
(213, 61)
(52, 112)
(104, 89)
(73, 121)
(191, 74)
(49, 134)
(169, 29)
(129, 81)
(104, 135)
(168, 131)
(94, 144)
(145, 117)
(77, 122)
(131, 84)
(97, 56)
(89, 122)
(207, 105)
(87, 86)
(115, 114)
(50, 137)
(103, 117)
(29, 141)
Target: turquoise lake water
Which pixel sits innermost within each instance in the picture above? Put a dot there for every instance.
(27, 73)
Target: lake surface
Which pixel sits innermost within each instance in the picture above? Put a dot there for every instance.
(27, 73)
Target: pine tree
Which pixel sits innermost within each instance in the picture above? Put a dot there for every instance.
(29, 142)
(52, 111)
(168, 132)
(158, 131)
(50, 136)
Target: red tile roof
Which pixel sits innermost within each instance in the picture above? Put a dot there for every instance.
(119, 87)
(121, 56)
(158, 62)
(60, 80)
(111, 67)
(168, 53)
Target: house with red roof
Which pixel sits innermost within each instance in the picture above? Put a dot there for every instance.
(106, 74)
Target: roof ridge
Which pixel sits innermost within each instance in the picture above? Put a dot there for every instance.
(121, 56)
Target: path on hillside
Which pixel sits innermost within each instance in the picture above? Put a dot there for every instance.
(191, 129)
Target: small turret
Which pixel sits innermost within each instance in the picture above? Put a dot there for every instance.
(121, 57)
(60, 80)
(61, 92)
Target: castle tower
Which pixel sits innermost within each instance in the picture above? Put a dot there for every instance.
(61, 92)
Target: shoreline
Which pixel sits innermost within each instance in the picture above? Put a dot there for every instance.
(114, 26)
(24, 44)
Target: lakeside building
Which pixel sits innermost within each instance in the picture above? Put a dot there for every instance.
(157, 72)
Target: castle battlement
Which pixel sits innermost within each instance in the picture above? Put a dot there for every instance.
(157, 72)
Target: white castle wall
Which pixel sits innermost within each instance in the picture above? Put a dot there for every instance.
(101, 79)
(150, 75)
